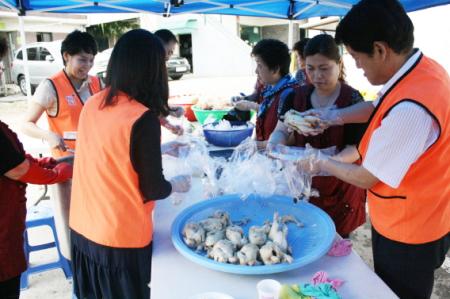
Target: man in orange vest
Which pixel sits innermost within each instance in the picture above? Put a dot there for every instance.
(404, 151)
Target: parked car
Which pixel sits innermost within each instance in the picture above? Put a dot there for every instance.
(176, 66)
(44, 60)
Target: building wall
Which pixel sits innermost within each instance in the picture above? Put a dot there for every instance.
(218, 51)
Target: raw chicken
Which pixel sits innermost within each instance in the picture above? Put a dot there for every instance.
(271, 254)
(278, 233)
(223, 252)
(213, 237)
(248, 255)
(194, 235)
(235, 234)
(211, 224)
(223, 216)
(258, 234)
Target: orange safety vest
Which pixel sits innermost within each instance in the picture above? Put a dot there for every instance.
(69, 105)
(418, 211)
(107, 206)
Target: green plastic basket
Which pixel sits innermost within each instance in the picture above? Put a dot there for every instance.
(202, 115)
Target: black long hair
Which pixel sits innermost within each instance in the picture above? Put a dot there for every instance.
(137, 67)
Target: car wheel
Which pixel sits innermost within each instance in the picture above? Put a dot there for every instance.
(176, 77)
(23, 85)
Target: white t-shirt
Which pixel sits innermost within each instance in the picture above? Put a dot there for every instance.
(45, 95)
(404, 135)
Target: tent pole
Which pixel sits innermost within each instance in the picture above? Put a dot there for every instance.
(25, 55)
(290, 34)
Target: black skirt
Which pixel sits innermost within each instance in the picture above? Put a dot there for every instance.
(102, 272)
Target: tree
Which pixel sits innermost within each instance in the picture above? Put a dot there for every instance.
(107, 34)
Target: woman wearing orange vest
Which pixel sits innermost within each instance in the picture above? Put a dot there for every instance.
(405, 149)
(62, 97)
(118, 173)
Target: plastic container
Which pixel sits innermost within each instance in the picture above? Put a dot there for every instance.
(186, 102)
(228, 138)
(202, 115)
(309, 243)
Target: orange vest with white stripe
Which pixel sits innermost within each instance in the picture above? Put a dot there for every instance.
(418, 211)
(69, 105)
(107, 206)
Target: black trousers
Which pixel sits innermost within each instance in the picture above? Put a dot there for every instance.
(10, 289)
(101, 272)
(408, 269)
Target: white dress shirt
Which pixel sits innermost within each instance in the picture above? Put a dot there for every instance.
(404, 135)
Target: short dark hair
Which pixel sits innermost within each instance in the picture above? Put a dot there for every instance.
(166, 36)
(274, 53)
(77, 42)
(299, 46)
(325, 45)
(376, 20)
(137, 67)
(3, 47)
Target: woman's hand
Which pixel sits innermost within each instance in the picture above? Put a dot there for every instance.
(176, 111)
(245, 105)
(175, 149)
(56, 141)
(181, 183)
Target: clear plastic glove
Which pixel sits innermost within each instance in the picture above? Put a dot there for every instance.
(175, 149)
(329, 116)
(312, 161)
(236, 99)
(245, 105)
(56, 141)
(174, 129)
(176, 111)
(181, 183)
(307, 125)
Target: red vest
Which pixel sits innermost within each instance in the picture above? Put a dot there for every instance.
(267, 123)
(418, 211)
(344, 202)
(107, 206)
(12, 218)
(65, 122)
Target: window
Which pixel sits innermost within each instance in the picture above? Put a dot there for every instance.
(32, 54)
(250, 34)
(43, 52)
(44, 36)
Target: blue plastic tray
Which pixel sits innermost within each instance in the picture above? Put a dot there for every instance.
(308, 243)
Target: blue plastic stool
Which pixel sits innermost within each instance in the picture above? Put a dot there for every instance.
(41, 216)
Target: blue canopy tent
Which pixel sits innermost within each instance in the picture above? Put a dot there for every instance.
(281, 9)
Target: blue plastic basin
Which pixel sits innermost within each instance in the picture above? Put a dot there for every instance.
(228, 138)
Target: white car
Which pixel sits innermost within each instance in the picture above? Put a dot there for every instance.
(44, 60)
(176, 66)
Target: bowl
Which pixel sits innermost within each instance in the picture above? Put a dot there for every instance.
(228, 138)
(202, 114)
(308, 243)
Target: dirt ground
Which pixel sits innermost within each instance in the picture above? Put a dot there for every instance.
(52, 284)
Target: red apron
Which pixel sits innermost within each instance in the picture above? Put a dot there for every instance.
(12, 218)
(344, 202)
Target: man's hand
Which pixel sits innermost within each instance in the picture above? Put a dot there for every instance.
(56, 141)
(245, 105)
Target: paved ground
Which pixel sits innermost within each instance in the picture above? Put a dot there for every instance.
(52, 284)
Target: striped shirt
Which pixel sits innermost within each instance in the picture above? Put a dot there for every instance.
(403, 136)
